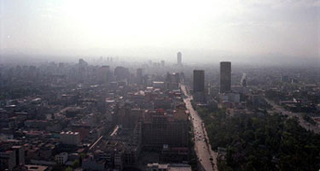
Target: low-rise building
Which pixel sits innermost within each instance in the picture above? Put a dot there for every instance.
(7, 160)
(168, 167)
(71, 138)
(61, 158)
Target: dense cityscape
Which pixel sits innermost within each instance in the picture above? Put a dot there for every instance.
(170, 85)
(158, 116)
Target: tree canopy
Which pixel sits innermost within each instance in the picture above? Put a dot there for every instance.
(261, 141)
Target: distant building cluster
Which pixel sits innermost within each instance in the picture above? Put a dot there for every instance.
(115, 115)
(91, 117)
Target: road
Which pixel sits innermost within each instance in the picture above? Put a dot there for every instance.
(201, 140)
(303, 123)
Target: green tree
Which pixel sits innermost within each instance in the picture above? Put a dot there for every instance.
(76, 164)
(68, 169)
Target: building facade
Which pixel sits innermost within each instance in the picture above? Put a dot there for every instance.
(198, 80)
(225, 77)
(199, 94)
(71, 138)
(179, 58)
(161, 129)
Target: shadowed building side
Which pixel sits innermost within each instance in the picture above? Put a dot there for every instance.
(225, 77)
(198, 86)
(198, 80)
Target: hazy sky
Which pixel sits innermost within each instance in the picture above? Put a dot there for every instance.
(143, 27)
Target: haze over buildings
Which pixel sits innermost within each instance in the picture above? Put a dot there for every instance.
(102, 85)
(110, 114)
(207, 29)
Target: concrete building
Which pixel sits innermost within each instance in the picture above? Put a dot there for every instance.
(230, 98)
(158, 84)
(19, 150)
(61, 158)
(181, 113)
(172, 81)
(179, 58)
(159, 128)
(71, 138)
(162, 63)
(46, 151)
(198, 80)
(121, 73)
(139, 76)
(168, 167)
(199, 94)
(7, 160)
(174, 154)
(36, 168)
(225, 77)
(103, 74)
(12, 157)
(91, 164)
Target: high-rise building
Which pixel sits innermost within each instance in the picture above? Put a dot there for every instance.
(82, 62)
(121, 73)
(139, 76)
(198, 80)
(179, 58)
(162, 63)
(225, 77)
(103, 73)
(199, 94)
(172, 81)
(19, 150)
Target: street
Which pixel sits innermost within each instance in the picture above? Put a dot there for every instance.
(207, 157)
(303, 123)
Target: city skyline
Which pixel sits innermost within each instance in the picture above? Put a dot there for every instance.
(110, 115)
(143, 85)
(210, 30)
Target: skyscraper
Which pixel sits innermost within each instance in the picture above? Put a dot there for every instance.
(103, 73)
(199, 94)
(162, 63)
(225, 77)
(139, 76)
(179, 58)
(172, 81)
(121, 73)
(198, 81)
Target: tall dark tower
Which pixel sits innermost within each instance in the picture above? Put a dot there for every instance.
(198, 81)
(179, 58)
(199, 94)
(225, 77)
